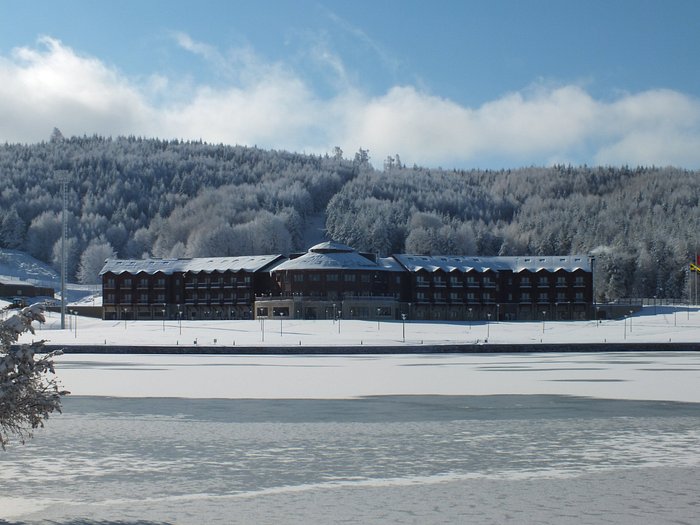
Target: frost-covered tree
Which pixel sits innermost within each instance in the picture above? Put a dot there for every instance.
(29, 391)
(92, 261)
(12, 229)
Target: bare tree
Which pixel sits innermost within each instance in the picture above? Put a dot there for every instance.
(29, 392)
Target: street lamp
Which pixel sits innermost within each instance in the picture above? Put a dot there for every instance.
(163, 310)
(126, 311)
(75, 315)
(378, 312)
(544, 316)
(488, 322)
(631, 321)
(179, 317)
(470, 319)
(403, 327)
(281, 316)
(498, 313)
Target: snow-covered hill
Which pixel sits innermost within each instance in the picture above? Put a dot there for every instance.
(19, 265)
(16, 265)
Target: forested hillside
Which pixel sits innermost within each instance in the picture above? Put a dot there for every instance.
(640, 224)
(133, 197)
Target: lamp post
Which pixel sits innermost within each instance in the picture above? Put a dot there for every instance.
(470, 319)
(631, 321)
(163, 310)
(126, 311)
(378, 312)
(179, 318)
(262, 329)
(625, 328)
(403, 327)
(281, 317)
(335, 315)
(488, 323)
(544, 316)
(75, 321)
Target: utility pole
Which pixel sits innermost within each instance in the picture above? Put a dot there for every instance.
(62, 176)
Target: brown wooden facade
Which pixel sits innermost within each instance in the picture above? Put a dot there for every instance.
(181, 289)
(502, 295)
(332, 281)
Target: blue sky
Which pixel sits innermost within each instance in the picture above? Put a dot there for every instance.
(449, 83)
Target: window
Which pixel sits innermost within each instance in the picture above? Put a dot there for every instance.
(454, 296)
(471, 296)
(489, 282)
(161, 298)
(420, 296)
(561, 297)
(364, 278)
(439, 296)
(579, 297)
(421, 281)
(349, 277)
(487, 297)
(332, 277)
(471, 281)
(246, 279)
(127, 298)
(525, 282)
(143, 282)
(314, 277)
(439, 281)
(455, 281)
(578, 280)
(561, 281)
(298, 277)
(525, 297)
(543, 281)
(143, 298)
(110, 282)
(110, 298)
(127, 282)
(544, 298)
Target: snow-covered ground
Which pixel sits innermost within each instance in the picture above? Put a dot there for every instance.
(628, 375)
(371, 438)
(652, 324)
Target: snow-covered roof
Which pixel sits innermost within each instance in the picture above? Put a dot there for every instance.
(331, 246)
(248, 263)
(329, 261)
(389, 263)
(449, 263)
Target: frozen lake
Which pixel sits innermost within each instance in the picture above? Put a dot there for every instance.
(400, 439)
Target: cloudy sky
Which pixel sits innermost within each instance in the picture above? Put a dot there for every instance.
(455, 83)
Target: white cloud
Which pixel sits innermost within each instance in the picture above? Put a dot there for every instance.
(272, 106)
